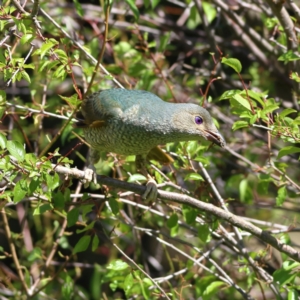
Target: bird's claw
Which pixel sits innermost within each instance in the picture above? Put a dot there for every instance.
(151, 190)
(89, 176)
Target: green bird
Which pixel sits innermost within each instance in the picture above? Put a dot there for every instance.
(135, 122)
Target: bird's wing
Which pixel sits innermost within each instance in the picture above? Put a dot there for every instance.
(157, 154)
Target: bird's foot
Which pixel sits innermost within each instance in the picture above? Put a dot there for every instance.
(151, 190)
(89, 176)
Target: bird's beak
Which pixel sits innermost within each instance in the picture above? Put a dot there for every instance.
(215, 137)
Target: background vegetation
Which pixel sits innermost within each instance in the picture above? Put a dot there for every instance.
(226, 223)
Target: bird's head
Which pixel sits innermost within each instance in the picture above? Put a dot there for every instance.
(196, 121)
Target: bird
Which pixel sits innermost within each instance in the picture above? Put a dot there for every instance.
(136, 122)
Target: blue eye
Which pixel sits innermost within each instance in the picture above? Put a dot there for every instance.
(198, 120)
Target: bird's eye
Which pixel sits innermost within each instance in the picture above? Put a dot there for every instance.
(198, 120)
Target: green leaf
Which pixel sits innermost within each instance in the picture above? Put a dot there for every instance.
(193, 176)
(137, 177)
(128, 282)
(118, 265)
(82, 244)
(134, 9)
(95, 243)
(233, 63)
(26, 38)
(62, 55)
(281, 196)
(293, 295)
(241, 100)
(3, 141)
(33, 185)
(288, 150)
(172, 221)
(286, 273)
(47, 46)
(239, 124)
(67, 287)
(270, 108)
(42, 209)
(25, 76)
(20, 190)
(16, 150)
(86, 228)
(78, 8)
(72, 216)
(164, 41)
(258, 97)
(229, 94)
(209, 10)
(114, 205)
(295, 76)
(288, 56)
(189, 214)
(58, 200)
(286, 112)
(204, 233)
(212, 289)
(35, 254)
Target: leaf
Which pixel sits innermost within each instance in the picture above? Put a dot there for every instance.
(3, 141)
(82, 244)
(137, 177)
(239, 124)
(233, 63)
(270, 108)
(293, 294)
(212, 289)
(229, 94)
(118, 265)
(203, 233)
(286, 112)
(241, 100)
(134, 9)
(20, 191)
(16, 150)
(288, 150)
(193, 176)
(288, 56)
(172, 221)
(128, 282)
(164, 41)
(72, 216)
(209, 10)
(114, 205)
(95, 243)
(78, 8)
(25, 76)
(189, 214)
(281, 196)
(42, 209)
(47, 46)
(286, 273)
(62, 55)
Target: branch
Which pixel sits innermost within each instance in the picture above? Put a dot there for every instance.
(184, 199)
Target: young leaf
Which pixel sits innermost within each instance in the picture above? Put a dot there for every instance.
(118, 265)
(82, 244)
(134, 9)
(172, 221)
(16, 150)
(281, 196)
(233, 63)
(288, 150)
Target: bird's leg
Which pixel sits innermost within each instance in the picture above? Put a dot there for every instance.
(90, 171)
(151, 186)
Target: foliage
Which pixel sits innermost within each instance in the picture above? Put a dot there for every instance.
(63, 240)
